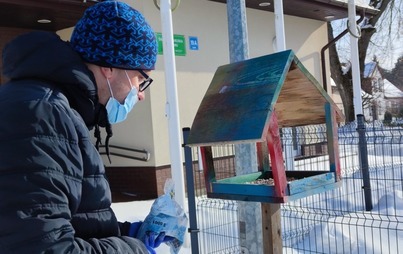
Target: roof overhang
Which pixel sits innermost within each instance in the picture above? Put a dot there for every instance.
(26, 13)
(65, 13)
(325, 10)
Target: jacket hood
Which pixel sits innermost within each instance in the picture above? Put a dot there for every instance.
(44, 56)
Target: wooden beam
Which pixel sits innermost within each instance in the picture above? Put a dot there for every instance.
(276, 157)
(332, 141)
(208, 166)
(271, 228)
(271, 212)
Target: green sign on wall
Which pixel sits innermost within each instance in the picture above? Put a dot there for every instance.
(179, 44)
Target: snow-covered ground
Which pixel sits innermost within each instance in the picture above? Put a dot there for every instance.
(347, 227)
(360, 225)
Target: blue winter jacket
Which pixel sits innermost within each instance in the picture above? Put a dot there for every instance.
(54, 197)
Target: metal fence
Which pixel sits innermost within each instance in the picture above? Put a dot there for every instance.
(335, 221)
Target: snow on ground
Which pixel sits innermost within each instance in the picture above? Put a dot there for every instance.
(138, 210)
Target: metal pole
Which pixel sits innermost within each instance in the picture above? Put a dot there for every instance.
(355, 68)
(249, 213)
(172, 108)
(193, 230)
(355, 63)
(281, 46)
(279, 25)
(363, 153)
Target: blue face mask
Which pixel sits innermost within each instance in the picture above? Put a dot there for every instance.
(118, 112)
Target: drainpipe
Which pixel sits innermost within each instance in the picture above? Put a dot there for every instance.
(322, 52)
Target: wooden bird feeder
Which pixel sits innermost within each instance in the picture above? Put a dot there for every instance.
(249, 101)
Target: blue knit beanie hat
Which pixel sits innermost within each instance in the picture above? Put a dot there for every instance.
(113, 34)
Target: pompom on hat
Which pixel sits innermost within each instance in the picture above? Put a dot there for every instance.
(113, 34)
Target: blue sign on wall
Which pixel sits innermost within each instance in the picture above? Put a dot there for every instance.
(193, 43)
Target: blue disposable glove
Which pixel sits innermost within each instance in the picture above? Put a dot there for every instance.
(134, 228)
(153, 240)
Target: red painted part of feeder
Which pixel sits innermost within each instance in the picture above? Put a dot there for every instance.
(276, 156)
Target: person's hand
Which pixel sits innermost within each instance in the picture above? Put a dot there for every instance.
(134, 228)
(153, 240)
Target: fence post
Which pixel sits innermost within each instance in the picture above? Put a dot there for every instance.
(363, 156)
(193, 230)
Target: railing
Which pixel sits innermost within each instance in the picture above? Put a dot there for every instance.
(121, 151)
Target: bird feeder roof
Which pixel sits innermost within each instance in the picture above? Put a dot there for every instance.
(242, 96)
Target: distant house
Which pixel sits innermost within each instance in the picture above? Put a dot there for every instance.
(371, 92)
(378, 94)
(393, 98)
(373, 87)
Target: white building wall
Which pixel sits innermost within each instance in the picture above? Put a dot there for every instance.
(147, 126)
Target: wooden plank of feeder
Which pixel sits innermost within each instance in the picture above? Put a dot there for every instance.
(313, 182)
(263, 158)
(241, 179)
(271, 212)
(208, 165)
(332, 141)
(276, 156)
(316, 190)
(301, 99)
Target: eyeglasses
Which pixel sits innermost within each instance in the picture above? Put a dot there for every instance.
(146, 83)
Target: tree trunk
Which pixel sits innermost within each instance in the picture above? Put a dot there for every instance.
(343, 81)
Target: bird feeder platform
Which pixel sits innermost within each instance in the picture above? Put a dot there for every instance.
(250, 187)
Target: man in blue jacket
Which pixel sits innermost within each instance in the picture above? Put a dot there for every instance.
(54, 197)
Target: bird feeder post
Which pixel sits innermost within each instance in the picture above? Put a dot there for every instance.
(271, 228)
